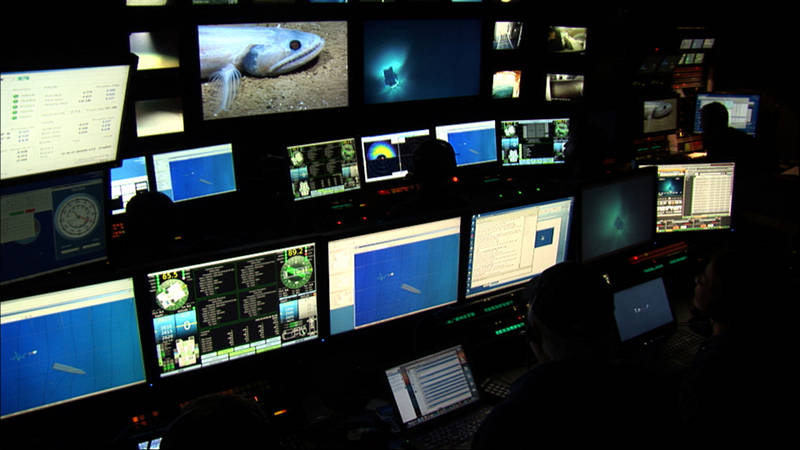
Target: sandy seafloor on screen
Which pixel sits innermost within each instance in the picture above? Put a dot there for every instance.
(320, 84)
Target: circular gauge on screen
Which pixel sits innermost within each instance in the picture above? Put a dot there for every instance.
(77, 216)
(172, 294)
(296, 272)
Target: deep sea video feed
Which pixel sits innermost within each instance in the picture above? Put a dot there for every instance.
(406, 60)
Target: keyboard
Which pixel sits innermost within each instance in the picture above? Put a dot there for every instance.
(455, 434)
(681, 346)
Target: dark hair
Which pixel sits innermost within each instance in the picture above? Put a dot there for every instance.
(434, 160)
(573, 301)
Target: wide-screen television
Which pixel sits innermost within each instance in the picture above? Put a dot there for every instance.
(53, 120)
(533, 141)
(618, 214)
(323, 168)
(694, 197)
(69, 344)
(510, 246)
(390, 156)
(406, 60)
(473, 142)
(385, 275)
(265, 68)
(742, 111)
(194, 173)
(217, 311)
(52, 225)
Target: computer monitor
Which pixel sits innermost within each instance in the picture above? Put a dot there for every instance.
(618, 214)
(421, 59)
(52, 225)
(563, 87)
(217, 311)
(506, 84)
(67, 345)
(390, 156)
(694, 197)
(289, 66)
(194, 173)
(659, 115)
(510, 246)
(533, 141)
(742, 110)
(61, 119)
(507, 35)
(473, 142)
(562, 39)
(128, 179)
(382, 276)
(323, 168)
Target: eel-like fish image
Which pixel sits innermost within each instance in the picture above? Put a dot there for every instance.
(227, 52)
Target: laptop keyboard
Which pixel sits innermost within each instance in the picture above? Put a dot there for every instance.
(456, 434)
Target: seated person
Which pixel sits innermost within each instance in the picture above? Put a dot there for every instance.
(579, 390)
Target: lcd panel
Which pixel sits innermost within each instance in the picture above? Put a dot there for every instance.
(660, 115)
(406, 60)
(67, 345)
(641, 309)
(194, 173)
(694, 197)
(128, 179)
(618, 215)
(533, 141)
(566, 39)
(473, 143)
(218, 311)
(52, 225)
(53, 120)
(742, 111)
(323, 168)
(506, 84)
(267, 68)
(508, 247)
(563, 87)
(382, 276)
(507, 35)
(390, 156)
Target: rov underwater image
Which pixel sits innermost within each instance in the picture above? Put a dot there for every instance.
(407, 60)
(267, 68)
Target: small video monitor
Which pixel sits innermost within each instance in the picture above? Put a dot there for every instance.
(510, 246)
(54, 120)
(288, 67)
(52, 225)
(128, 180)
(421, 59)
(742, 111)
(507, 35)
(660, 116)
(323, 168)
(473, 142)
(383, 276)
(195, 173)
(563, 87)
(566, 39)
(533, 141)
(506, 84)
(214, 312)
(66, 345)
(694, 197)
(390, 156)
(618, 214)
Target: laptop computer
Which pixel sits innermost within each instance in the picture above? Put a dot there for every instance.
(646, 322)
(437, 399)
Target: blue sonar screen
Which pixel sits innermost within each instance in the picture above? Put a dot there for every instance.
(66, 355)
(407, 60)
(474, 146)
(201, 177)
(405, 279)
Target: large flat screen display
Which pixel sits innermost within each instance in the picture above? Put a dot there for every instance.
(70, 344)
(382, 276)
(266, 68)
(53, 120)
(218, 311)
(407, 60)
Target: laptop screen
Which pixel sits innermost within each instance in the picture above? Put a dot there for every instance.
(428, 387)
(641, 309)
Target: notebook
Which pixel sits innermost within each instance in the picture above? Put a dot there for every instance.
(644, 314)
(437, 400)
